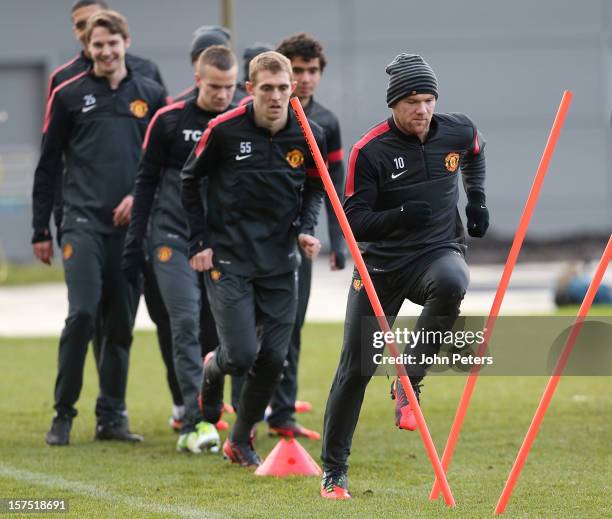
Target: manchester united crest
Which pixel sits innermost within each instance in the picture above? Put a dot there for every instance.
(139, 108)
(295, 158)
(67, 251)
(215, 275)
(357, 285)
(164, 254)
(451, 161)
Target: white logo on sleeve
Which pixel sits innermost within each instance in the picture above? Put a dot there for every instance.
(397, 175)
(89, 103)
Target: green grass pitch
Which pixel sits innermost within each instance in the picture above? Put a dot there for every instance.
(568, 473)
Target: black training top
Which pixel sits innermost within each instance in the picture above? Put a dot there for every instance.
(388, 168)
(263, 190)
(81, 63)
(98, 131)
(171, 136)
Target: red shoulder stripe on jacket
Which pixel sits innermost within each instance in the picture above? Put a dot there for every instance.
(476, 147)
(373, 133)
(179, 105)
(335, 156)
(236, 112)
(57, 71)
(52, 97)
(245, 100)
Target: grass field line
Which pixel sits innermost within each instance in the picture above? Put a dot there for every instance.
(41, 479)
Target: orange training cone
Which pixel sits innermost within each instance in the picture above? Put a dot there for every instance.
(288, 458)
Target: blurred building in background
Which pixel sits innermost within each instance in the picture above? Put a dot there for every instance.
(505, 64)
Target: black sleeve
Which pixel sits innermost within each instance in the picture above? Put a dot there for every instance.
(367, 225)
(473, 167)
(58, 203)
(312, 195)
(51, 85)
(198, 166)
(336, 172)
(156, 145)
(49, 169)
(162, 100)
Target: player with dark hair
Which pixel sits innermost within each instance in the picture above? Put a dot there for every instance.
(97, 122)
(263, 199)
(308, 61)
(402, 190)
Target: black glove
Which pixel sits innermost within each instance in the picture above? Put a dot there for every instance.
(477, 214)
(132, 265)
(415, 214)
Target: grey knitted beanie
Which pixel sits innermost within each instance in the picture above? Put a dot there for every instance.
(207, 36)
(409, 74)
(250, 52)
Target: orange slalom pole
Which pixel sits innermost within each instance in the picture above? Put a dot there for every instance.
(538, 417)
(517, 243)
(372, 295)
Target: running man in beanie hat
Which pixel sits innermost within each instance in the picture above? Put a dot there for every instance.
(203, 37)
(402, 190)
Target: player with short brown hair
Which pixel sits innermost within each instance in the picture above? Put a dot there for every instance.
(263, 199)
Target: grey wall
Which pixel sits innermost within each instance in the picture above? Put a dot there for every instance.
(504, 63)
